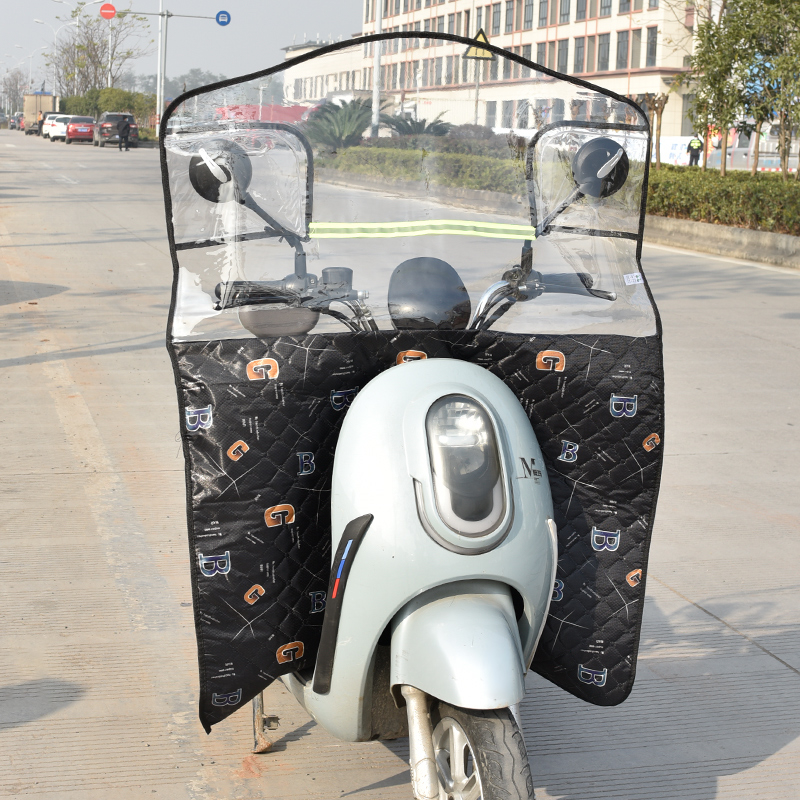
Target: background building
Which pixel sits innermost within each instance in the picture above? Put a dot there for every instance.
(633, 47)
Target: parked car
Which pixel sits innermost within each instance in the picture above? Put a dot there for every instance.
(12, 123)
(31, 128)
(105, 130)
(48, 117)
(58, 128)
(79, 129)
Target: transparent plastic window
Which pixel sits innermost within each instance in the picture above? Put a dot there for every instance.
(517, 210)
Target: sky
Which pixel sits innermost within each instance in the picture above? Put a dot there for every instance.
(252, 41)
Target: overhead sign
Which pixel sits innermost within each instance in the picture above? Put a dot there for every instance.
(478, 53)
(223, 18)
(107, 11)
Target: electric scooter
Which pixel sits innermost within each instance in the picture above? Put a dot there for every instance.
(444, 544)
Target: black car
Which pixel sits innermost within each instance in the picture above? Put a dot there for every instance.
(105, 131)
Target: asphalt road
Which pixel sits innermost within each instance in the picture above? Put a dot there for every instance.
(97, 663)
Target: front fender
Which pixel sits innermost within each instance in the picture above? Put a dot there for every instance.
(460, 643)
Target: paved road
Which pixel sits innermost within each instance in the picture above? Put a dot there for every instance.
(98, 686)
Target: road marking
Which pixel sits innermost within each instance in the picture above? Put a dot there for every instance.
(46, 166)
(83, 166)
(65, 179)
(731, 260)
(10, 145)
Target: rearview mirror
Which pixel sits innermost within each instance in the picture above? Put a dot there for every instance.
(600, 167)
(221, 171)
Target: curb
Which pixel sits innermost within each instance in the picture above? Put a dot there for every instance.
(778, 249)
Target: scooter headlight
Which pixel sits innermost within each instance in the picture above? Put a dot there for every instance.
(465, 462)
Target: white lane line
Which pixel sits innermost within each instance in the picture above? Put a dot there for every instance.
(46, 166)
(10, 145)
(65, 179)
(83, 166)
(724, 260)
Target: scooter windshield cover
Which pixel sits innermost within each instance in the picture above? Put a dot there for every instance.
(484, 209)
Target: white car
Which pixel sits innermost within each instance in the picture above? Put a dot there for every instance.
(58, 128)
(47, 124)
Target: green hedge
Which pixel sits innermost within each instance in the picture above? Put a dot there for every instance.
(444, 169)
(762, 203)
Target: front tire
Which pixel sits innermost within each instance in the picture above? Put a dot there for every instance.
(480, 755)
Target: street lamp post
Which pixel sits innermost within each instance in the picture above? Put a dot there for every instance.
(55, 44)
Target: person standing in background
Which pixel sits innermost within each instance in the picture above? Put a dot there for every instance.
(694, 148)
(124, 131)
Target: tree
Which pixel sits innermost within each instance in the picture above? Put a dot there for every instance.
(95, 52)
(416, 127)
(659, 102)
(14, 83)
(335, 127)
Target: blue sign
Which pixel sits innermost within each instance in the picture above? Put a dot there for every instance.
(223, 18)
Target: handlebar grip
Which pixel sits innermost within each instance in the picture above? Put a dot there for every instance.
(247, 293)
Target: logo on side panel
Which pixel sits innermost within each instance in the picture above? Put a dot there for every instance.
(558, 591)
(343, 398)
(605, 540)
(232, 699)
(290, 652)
(317, 601)
(215, 565)
(623, 406)
(237, 450)
(282, 514)
(306, 465)
(261, 369)
(199, 418)
(410, 355)
(594, 677)
(253, 593)
(550, 361)
(569, 451)
(634, 577)
(651, 442)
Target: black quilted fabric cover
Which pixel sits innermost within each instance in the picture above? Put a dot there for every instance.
(259, 443)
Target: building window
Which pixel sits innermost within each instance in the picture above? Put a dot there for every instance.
(527, 22)
(405, 6)
(580, 10)
(590, 45)
(522, 114)
(551, 55)
(652, 40)
(558, 109)
(563, 55)
(603, 51)
(636, 49)
(396, 6)
(605, 8)
(526, 53)
(541, 56)
(451, 23)
(493, 70)
(577, 66)
(416, 28)
(478, 20)
(564, 13)
(508, 114)
(439, 26)
(298, 88)
(464, 70)
(448, 70)
(438, 76)
(653, 4)
(543, 13)
(426, 72)
(491, 113)
(495, 19)
(466, 23)
(426, 26)
(509, 16)
(366, 11)
(427, 3)
(506, 69)
(622, 49)
(624, 6)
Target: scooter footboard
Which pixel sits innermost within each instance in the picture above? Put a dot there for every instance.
(460, 643)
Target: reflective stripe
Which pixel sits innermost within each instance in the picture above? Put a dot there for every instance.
(432, 227)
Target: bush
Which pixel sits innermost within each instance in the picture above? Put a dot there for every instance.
(762, 203)
(444, 169)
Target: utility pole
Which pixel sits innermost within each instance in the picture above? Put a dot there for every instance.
(376, 70)
(159, 98)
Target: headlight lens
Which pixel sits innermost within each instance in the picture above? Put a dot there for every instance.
(465, 462)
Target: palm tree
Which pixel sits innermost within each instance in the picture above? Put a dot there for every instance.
(335, 127)
(416, 127)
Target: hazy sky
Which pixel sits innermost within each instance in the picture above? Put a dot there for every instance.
(252, 41)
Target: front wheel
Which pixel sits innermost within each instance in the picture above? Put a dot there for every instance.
(480, 755)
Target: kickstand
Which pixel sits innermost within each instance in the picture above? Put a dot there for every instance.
(261, 723)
